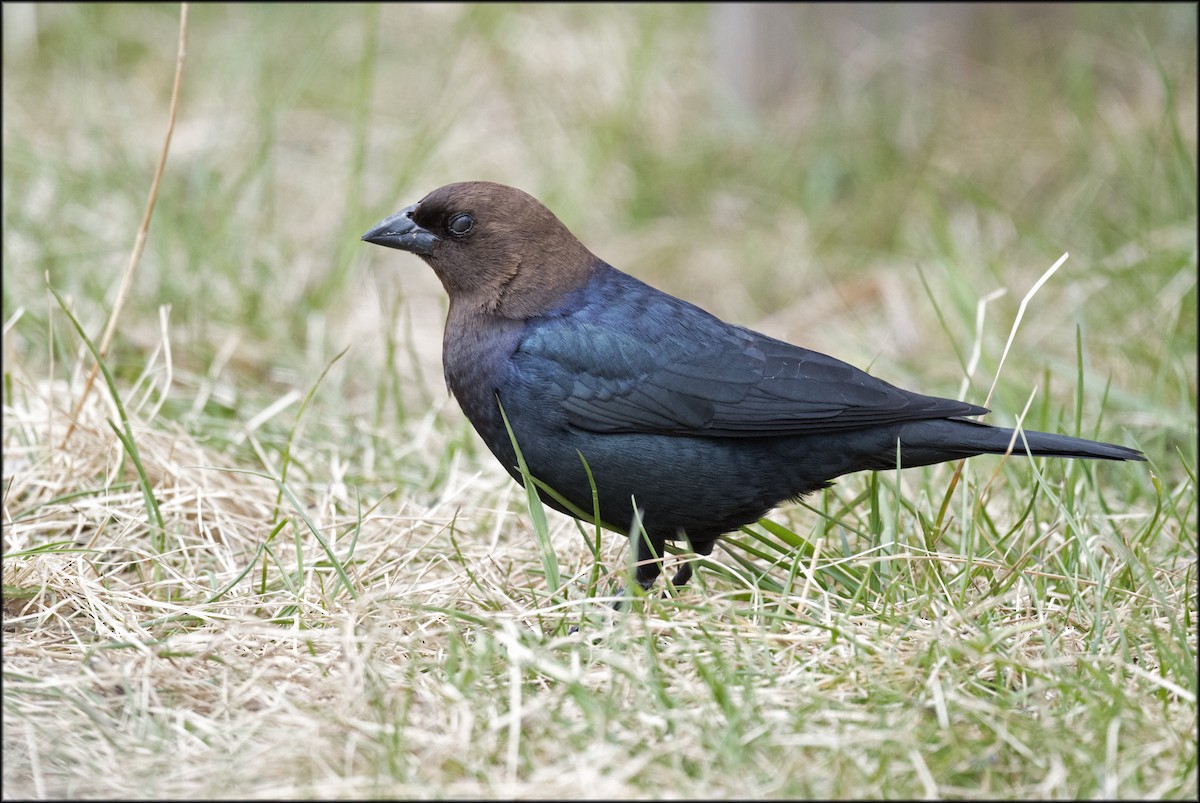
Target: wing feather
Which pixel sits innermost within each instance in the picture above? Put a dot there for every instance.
(681, 371)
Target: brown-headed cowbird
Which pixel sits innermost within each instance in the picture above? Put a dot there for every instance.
(699, 425)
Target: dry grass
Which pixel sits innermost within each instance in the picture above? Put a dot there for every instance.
(233, 664)
(345, 597)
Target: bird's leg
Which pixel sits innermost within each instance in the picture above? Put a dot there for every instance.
(648, 550)
(684, 574)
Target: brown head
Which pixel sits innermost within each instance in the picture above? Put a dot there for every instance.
(496, 249)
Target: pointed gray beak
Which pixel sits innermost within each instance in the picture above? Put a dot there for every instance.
(401, 231)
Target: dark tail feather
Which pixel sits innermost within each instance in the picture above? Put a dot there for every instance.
(924, 442)
(1046, 444)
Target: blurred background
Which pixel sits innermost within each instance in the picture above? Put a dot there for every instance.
(852, 178)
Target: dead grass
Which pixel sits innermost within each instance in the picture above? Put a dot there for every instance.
(1041, 644)
(233, 664)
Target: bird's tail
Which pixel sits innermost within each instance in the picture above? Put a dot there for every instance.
(924, 442)
(1046, 444)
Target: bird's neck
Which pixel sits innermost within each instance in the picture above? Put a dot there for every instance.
(532, 290)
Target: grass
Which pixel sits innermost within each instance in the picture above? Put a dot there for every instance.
(262, 567)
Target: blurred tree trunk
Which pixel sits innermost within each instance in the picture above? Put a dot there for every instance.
(764, 52)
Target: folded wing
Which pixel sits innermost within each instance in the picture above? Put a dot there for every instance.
(688, 373)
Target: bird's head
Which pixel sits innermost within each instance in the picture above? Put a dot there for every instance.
(493, 247)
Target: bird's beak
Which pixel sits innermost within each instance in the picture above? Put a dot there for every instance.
(401, 231)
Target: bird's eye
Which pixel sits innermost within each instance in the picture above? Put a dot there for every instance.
(460, 224)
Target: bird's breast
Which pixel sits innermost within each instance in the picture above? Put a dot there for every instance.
(476, 356)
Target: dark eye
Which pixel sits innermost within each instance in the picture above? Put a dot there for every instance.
(460, 224)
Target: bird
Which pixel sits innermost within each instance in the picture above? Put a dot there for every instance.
(686, 427)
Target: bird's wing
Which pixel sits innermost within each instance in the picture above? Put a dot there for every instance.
(696, 375)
